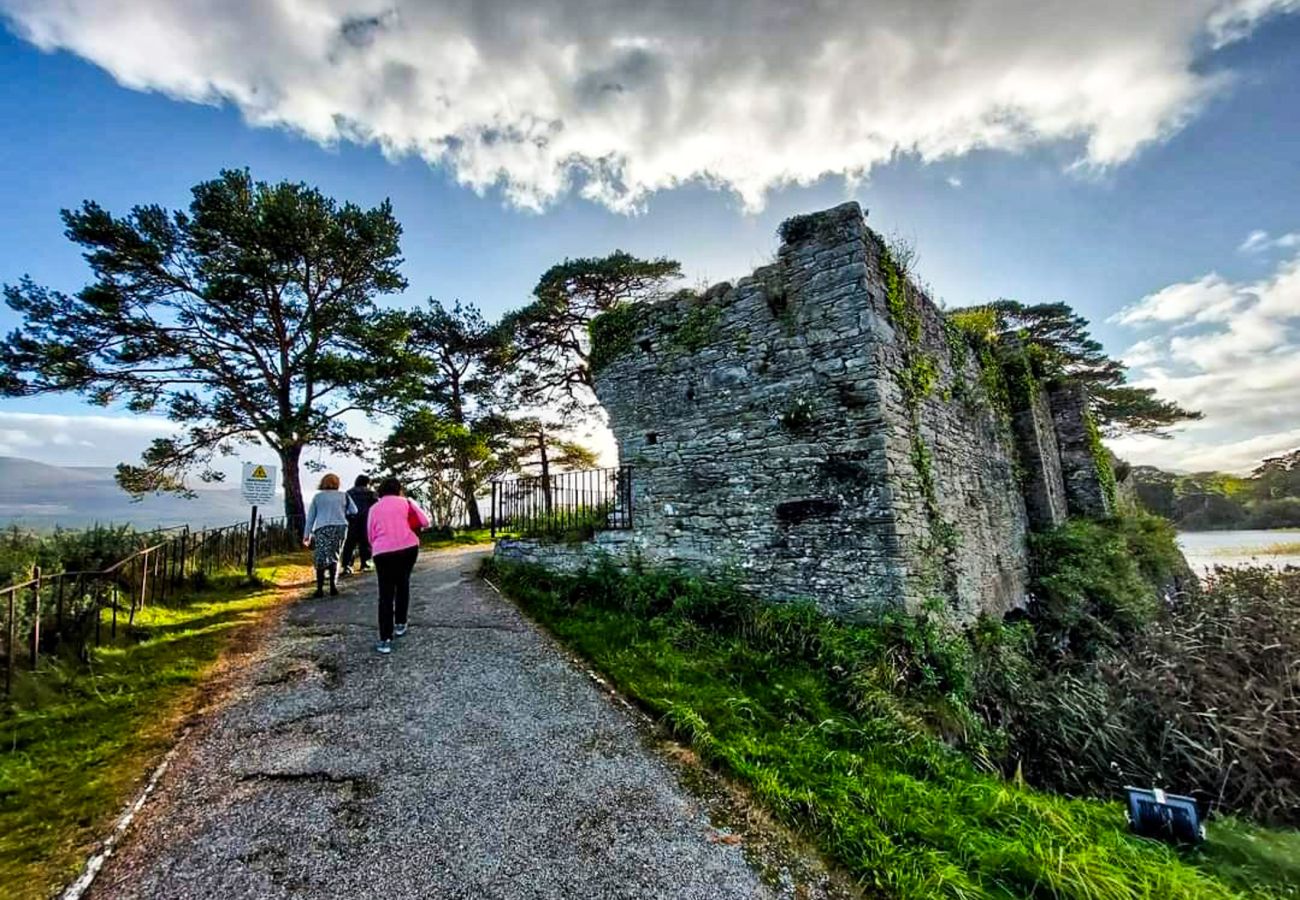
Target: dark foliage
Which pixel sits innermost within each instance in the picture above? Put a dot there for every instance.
(243, 319)
(1059, 345)
(549, 343)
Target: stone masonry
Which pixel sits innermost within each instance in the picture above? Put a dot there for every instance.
(773, 436)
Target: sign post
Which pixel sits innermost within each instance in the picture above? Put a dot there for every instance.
(258, 489)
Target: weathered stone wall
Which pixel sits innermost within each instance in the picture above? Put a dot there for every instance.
(1085, 489)
(619, 547)
(770, 436)
(1042, 482)
(819, 432)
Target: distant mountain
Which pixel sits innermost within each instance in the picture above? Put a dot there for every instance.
(40, 496)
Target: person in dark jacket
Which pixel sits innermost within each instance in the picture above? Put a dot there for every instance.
(363, 498)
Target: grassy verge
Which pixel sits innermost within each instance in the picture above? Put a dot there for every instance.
(814, 716)
(77, 742)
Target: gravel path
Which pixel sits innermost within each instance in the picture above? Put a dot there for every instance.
(474, 762)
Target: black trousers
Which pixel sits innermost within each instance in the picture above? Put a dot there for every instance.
(393, 572)
(356, 542)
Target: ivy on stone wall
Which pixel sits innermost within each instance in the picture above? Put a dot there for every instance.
(918, 379)
(698, 328)
(1101, 459)
(612, 333)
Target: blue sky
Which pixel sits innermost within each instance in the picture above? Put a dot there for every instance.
(1146, 239)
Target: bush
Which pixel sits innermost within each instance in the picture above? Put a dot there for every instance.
(833, 726)
(1201, 698)
(1212, 693)
(1096, 584)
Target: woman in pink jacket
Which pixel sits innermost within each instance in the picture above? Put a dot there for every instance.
(393, 526)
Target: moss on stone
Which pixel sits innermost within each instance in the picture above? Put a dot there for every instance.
(699, 327)
(612, 333)
(1101, 459)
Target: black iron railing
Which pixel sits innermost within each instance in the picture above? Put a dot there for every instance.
(48, 612)
(566, 504)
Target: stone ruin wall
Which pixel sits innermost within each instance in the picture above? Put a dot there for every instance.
(771, 437)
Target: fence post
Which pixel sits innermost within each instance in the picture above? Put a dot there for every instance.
(144, 581)
(9, 646)
(493, 513)
(36, 617)
(185, 546)
(252, 543)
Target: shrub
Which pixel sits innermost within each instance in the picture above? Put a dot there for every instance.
(1202, 700)
(831, 724)
(1095, 584)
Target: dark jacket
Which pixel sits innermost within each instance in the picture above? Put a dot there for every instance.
(364, 498)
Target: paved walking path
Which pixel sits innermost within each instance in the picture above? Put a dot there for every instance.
(474, 762)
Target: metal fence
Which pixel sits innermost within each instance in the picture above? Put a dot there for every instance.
(52, 612)
(575, 504)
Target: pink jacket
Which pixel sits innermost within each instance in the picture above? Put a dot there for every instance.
(387, 525)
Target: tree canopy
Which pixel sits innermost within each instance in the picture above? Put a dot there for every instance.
(548, 342)
(444, 368)
(242, 319)
(1061, 345)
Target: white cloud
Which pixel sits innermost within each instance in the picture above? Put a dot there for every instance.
(1260, 242)
(619, 99)
(1209, 299)
(102, 440)
(1231, 350)
(78, 440)
(954, 182)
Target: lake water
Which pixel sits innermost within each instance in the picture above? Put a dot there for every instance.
(1205, 549)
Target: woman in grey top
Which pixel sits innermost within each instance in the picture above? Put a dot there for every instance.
(325, 530)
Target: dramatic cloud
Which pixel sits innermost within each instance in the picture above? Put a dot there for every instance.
(619, 98)
(1231, 350)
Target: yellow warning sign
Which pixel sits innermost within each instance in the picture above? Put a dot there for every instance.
(259, 484)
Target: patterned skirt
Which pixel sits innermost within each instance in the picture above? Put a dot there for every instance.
(326, 542)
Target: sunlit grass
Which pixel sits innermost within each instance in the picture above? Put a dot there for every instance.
(77, 742)
(906, 814)
(433, 540)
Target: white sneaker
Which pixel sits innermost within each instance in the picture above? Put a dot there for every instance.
(399, 630)
(384, 647)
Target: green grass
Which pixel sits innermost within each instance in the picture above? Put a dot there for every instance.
(77, 742)
(433, 540)
(834, 751)
(1260, 862)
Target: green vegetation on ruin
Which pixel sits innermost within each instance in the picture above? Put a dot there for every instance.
(918, 379)
(612, 333)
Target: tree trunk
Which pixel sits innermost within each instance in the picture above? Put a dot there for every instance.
(467, 485)
(470, 489)
(291, 479)
(546, 472)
